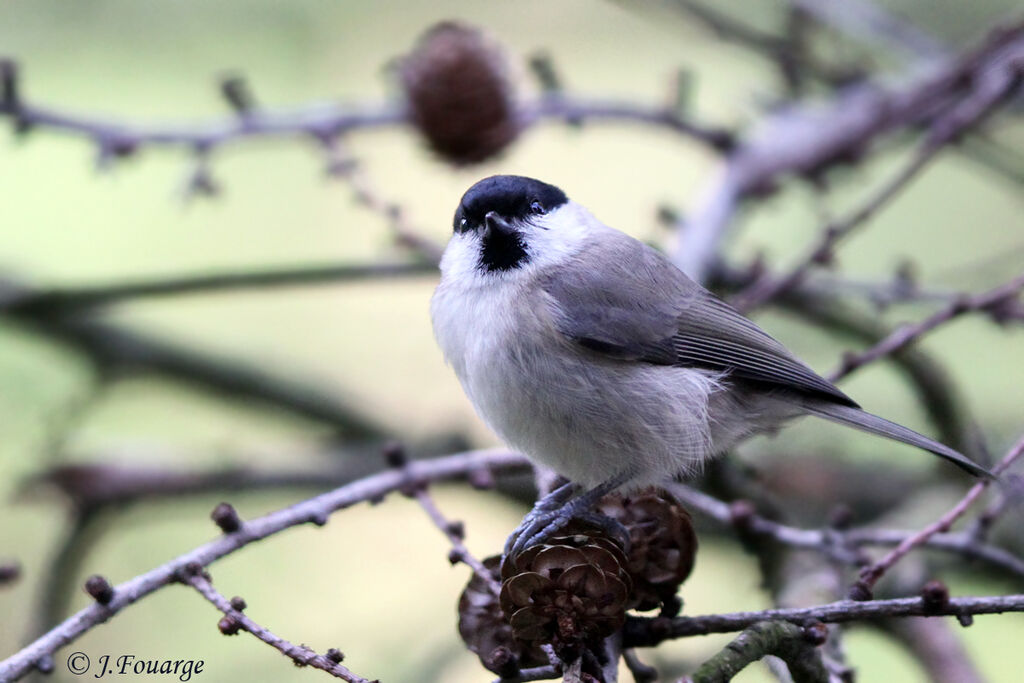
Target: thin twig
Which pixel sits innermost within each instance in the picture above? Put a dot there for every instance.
(808, 140)
(317, 122)
(880, 293)
(454, 531)
(345, 166)
(650, 631)
(590, 110)
(783, 52)
(769, 287)
(840, 545)
(997, 84)
(910, 333)
(871, 574)
(300, 654)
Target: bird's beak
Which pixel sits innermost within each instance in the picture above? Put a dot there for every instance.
(493, 223)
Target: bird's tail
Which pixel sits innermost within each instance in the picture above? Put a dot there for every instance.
(859, 419)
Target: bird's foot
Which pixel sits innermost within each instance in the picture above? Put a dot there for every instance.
(539, 517)
(545, 520)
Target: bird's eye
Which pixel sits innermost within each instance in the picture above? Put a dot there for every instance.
(462, 224)
(537, 207)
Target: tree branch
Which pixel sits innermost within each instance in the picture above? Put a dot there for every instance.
(768, 287)
(988, 301)
(808, 140)
(315, 510)
(840, 545)
(869, 22)
(786, 641)
(318, 122)
(650, 631)
(870, 575)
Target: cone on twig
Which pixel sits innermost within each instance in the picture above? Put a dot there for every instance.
(569, 592)
(663, 544)
(573, 590)
(459, 92)
(487, 633)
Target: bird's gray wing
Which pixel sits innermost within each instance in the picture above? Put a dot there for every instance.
(625, 300)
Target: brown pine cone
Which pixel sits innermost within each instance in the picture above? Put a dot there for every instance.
(662, 544)
(459, 93)
(570, 591)
(486, 632)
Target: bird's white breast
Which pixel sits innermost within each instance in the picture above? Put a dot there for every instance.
(589, 418)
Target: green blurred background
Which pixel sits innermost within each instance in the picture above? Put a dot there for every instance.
(348, 585)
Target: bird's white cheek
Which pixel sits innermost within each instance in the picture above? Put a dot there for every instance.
(460, 257)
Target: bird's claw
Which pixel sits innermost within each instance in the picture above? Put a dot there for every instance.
(540, 525)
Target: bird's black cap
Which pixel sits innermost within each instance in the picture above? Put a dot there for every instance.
(512, 197)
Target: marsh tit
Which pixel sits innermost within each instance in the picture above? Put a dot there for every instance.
(594, 355)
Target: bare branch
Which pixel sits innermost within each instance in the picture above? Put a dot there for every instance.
(1000, 81)
(315, 510)
(808, 140)
(792, 61)
(769, 288)
(987, 301)
(648, 632)
(317, 122)
(841, 545)
(594, 110)
(871, 574)
(343, 165)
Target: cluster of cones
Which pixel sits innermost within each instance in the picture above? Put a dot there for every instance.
(574, 589)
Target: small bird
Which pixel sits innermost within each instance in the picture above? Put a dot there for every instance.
(594, 355)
